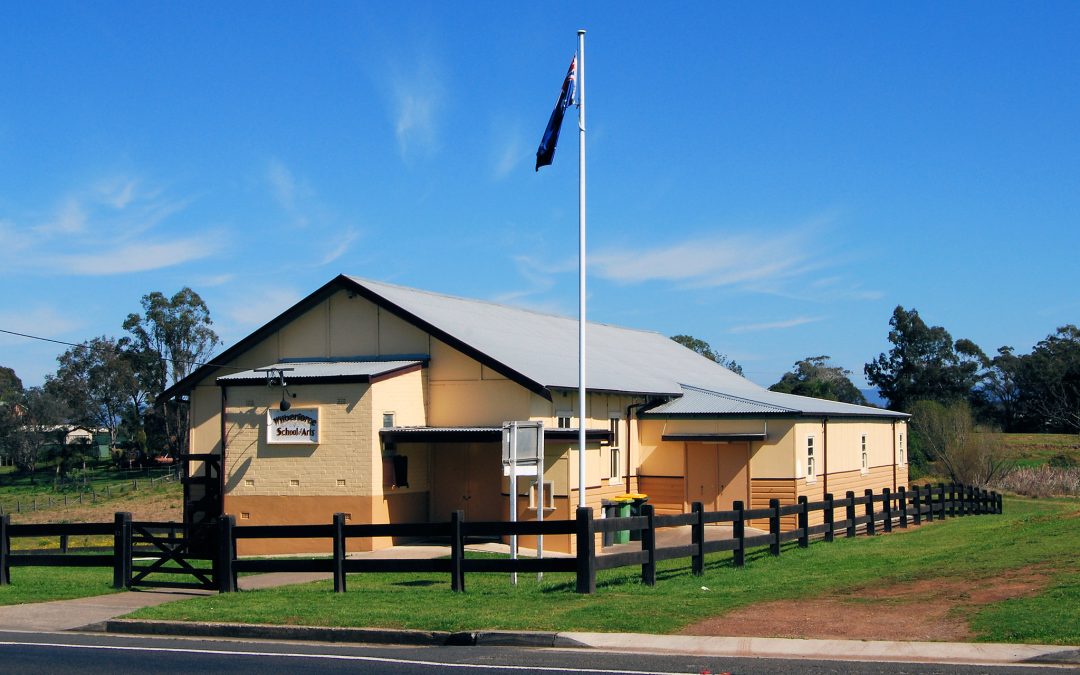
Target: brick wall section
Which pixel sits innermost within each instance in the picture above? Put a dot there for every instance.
(339, 465)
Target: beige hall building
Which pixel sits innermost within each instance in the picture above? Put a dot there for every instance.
(396, 397)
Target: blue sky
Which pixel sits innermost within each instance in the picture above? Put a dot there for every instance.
(773, 179)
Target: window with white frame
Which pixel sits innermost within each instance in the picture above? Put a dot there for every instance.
(616, 451)
(900, 451)
(811, 460)
(388, 420)
(864, 456)
(562, 419)
(549, 495)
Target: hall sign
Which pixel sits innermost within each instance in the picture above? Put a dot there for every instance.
(296, 425)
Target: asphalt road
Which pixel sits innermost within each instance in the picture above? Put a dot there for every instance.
(118, 655)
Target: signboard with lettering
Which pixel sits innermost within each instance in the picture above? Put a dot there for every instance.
(296, 425)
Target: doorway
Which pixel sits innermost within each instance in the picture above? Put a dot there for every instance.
(717, 474)
(467, 477)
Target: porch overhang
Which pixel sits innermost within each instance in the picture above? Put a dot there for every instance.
(716, 438)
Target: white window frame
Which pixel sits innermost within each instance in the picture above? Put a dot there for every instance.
(864, 454)
(901, 453)
(564, 419)
(392, 416)
(811, 459)
(549, 495)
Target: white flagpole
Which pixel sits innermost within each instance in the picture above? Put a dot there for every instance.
(581, 265)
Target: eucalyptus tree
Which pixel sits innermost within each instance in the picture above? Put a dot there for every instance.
(814, 376)
(168, 340)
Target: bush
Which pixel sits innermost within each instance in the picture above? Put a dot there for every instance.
(1042, 481)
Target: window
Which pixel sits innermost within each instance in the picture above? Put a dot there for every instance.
(549, 496)
(900, 451)
(562, 419)
(865, 458)
(388, 420)
(811, 460)
(616, 464)
(615, 452)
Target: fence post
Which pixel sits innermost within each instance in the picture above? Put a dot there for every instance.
(5, 550)
(63, 543)
(916, 505)
(829, 516)
(871, 527)
(886, 508)
(774, 526)
(339, 552)
(586, 550)
(648, 544)
(457, 551)
(997, 502)
(738, 532)
(697, 538)
(121, 550)
(902, 501)
(804, 523)
(226, 573)
(849, 512)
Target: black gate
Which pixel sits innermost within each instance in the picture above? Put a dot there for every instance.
(203, 487)
(160, 557)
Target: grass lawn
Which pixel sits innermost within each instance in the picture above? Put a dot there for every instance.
(41, 584)
(1031, 534)
(1038, 449)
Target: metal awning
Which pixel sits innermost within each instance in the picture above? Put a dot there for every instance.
(715, 438)
(480, 434)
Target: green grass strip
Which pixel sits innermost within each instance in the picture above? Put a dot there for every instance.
(1042, 533)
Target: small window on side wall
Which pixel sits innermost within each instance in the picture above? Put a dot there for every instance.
(864, 455)
(811, 460)
(549, 496)
(902, 456)
(562, 419)
(388, 420)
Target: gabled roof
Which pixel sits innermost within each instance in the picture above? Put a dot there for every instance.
(539, 351)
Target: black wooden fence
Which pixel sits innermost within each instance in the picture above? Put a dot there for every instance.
(869, 514)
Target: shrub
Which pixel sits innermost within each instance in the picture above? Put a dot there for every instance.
(1042, 481)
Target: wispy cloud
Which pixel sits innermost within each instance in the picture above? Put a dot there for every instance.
(138, 256)
(775, 325)
(110, 226)
(713, 261)
(508, 149)
(304, 209)
(416, 96)
(43, 321)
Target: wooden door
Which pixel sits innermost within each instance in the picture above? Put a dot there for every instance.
(467, 477)
(702, 474)
(733, 470)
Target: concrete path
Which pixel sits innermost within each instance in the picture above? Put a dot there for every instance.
(71, 614)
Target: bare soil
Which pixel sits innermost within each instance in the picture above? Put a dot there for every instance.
(926, 610)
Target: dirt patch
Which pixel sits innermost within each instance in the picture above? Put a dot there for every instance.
(925, 610)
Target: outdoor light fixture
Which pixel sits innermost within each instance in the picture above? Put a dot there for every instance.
(274, 375)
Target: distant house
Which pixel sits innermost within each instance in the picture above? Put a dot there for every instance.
(397, 396)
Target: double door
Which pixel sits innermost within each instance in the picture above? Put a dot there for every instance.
(467, 477)
(718, 474)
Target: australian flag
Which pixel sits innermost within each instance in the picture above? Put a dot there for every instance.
(546, 152)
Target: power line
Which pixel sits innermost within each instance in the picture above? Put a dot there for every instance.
(74, 344)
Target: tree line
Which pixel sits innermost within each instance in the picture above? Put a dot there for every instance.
(111, 385)
(957, 394)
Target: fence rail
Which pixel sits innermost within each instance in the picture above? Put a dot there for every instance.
(869, 513)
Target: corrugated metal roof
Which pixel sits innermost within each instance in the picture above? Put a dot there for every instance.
(320, 370)
(543, 348)
(697, 401)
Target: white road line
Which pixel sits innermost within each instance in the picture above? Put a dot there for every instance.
(338, 657)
